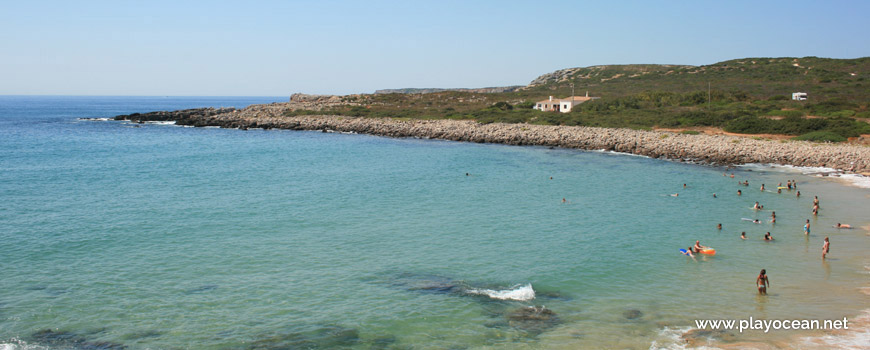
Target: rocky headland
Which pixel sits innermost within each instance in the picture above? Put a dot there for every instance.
(712, 149)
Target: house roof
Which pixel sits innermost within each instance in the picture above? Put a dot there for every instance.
(576, 99)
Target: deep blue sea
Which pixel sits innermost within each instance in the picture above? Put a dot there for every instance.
(116, 235)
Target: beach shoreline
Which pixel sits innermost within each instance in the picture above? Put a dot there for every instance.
(711, 149)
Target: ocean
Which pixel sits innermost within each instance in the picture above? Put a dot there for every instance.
(155, 236)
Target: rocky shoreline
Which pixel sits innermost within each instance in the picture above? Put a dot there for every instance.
(711, 149)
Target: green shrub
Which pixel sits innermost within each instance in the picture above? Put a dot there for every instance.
(781, 113)
(821, 136)
(843, 113)
(690, 132)
(525, 105)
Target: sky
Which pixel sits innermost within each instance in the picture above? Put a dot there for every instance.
(276, 48)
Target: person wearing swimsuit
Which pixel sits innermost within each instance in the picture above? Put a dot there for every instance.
(762, 282)
(826, 248)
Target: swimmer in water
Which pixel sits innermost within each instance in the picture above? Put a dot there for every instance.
(739, 193)
(767, 237)
(762, 187)
(675, 195)
(762, 282)
(826, 248)
(743, 235)
(684, 185)
(778, 190)
(719, 227)
(756, 221)
(798, 194)
(757, 206)
(689, 253)
(714, 195)
(698, 247)
(564, 200)
(839, 225)
(732, 175)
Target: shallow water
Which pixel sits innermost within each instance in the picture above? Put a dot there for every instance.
(159, 236)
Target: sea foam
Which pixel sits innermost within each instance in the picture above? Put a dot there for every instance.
(518, 292)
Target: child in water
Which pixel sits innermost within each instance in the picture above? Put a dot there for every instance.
(762, 282)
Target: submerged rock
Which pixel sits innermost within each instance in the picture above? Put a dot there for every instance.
(632, 314)
(698, 337)
(327, 337)
(533, 320)
(63, 339)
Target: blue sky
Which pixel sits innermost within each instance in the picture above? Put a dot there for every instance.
(275, 48)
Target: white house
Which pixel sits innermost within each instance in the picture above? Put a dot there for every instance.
(799, 96)
(563, 105)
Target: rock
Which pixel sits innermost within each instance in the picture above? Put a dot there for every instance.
(533, 320)
(326, 337)
(632, 314)
(698, 337)
(62, 339)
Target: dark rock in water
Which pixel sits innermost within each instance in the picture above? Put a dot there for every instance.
(552, 295)
(382, 342)
(201, 289)
(61, 339)
(698, 337)
(328, 337)
(143, 335)
(533, 320)
(632, 314)
(428, 283)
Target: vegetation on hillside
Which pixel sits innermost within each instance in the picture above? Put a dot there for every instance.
(750, 96)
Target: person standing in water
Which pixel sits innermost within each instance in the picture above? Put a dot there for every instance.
(773, 217)
(743, 235)
(739, 193)
(807, 228)
(762, 187)
(826, 248)
(762, 282)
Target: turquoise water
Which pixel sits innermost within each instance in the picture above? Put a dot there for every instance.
(165, 237)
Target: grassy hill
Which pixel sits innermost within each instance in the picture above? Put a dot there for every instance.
(751, 95)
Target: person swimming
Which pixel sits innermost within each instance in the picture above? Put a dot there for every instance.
(739, 193)
(714, 195)
(798, 194)
(719, 226)
(762, 187)
(689, 252)
(767, 237)
(762, 282)
(743, 235)
(757, 206)
(839, 225)
(674, 195)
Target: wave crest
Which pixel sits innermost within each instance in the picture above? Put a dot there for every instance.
(520, 292)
